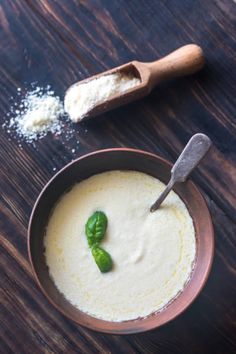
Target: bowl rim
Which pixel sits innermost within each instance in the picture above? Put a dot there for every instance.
(202, 282)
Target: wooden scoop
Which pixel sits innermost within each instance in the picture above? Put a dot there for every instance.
(183, 61)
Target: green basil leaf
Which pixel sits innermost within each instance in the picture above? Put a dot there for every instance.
(102, 259)
(95, 228)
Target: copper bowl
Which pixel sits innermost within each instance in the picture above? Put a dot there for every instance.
(120, 159)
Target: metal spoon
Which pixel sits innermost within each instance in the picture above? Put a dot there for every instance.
(190, 157)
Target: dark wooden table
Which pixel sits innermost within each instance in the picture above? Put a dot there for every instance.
(59, 42)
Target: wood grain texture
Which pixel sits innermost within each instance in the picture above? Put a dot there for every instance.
(60, 42)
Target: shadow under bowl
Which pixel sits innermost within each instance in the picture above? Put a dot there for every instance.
(120, 159)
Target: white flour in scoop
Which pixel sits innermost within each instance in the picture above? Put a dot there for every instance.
(82, 98)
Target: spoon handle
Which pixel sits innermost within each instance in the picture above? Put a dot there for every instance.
(190, 157)
(183, 61)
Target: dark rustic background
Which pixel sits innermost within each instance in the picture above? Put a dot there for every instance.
(59, 42)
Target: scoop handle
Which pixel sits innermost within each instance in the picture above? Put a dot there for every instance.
(184, 61)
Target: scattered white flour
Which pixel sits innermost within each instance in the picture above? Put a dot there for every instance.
(37, 114)
(82, 98)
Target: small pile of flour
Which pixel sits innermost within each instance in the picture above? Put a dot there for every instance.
(82, 98)
(37, 114)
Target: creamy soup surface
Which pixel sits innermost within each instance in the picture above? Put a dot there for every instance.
(153, 253)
